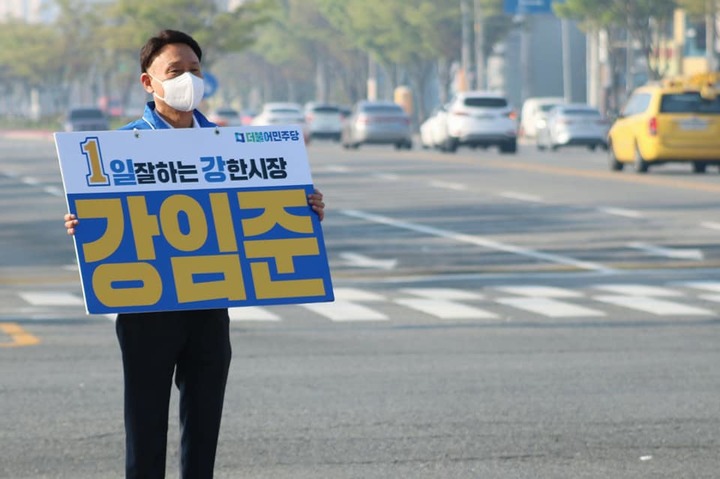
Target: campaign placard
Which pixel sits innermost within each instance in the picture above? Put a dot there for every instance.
(194, 218)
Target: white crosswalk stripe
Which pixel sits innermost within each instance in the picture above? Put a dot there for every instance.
(443, 293)
(445, 309)
(340, 310)
(252, 313)
(540, 291)
(713, 286)
(354, 294)
(656, 306)
(713, 298)
(639, 290)
(550, 307)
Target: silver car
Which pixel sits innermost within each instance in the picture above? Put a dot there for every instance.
(574, 124)
(324, 120)
(86, 119)
(377, 122)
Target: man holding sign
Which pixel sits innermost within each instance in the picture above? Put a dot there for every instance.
(191, 344)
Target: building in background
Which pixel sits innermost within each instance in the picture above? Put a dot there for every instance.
(534, 65)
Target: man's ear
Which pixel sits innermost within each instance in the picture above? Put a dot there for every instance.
(146, 82)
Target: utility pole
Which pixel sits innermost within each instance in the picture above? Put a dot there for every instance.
(480, 79)
(566, 61)
(525, 26)
(710, 13)
(372, 79)
(466, 44)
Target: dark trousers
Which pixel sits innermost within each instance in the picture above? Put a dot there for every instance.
(195, 346)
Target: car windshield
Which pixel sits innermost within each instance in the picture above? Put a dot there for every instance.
(689, 102)
(291, 111)
(548, 107)
(580, 112)
(326, 109)
(228, 113)
(382, 109)
(486, 102)
(86, 113)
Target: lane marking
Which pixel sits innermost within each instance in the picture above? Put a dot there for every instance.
(521, 196)
(387, 176)
(479, 241)
(710, 225)
(362, 261)
(54, 190)
(52, 299)
(550, 307)
(341, 311)
(335, 169)
(445, 309)
(591, 174)
(675, 253)
(448, 185)
(29, 180)
(19, 337)
(653, 305)
(621, 212)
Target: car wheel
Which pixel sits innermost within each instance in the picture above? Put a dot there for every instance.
(451, 145)
(540, 146)
(613, 162)
(641, 166)
(509, 147)
(554, 147)
(592, 147)
(699, 167)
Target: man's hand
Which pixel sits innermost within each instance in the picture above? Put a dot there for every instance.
(315, 200)
(71, 222)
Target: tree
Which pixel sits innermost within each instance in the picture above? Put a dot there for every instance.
(644, 20)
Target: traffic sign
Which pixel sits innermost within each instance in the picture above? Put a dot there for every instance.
(211, 84)
(527, 7)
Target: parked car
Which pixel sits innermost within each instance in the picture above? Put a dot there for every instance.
(430, 134)
(534, 112)
(377, 122)
(675, 120)
(225, 116)
(324, 121)
(86, 118)
(282, 113)
(574, 124)
(478, 119)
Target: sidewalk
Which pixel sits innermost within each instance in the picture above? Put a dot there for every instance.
(43, 135)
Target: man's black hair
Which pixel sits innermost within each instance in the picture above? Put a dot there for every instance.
(152, 48)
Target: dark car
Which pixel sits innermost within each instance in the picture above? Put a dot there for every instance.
(85, 119)
(377, 122)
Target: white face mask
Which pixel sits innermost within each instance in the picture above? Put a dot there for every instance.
(184, 92)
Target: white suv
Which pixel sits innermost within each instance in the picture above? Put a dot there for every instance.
(479, 119)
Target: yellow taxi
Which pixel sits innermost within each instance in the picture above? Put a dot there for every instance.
(673, 120)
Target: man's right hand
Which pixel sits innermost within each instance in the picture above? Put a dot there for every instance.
(70, 223)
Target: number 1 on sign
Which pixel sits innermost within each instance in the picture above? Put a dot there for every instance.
(91, 149)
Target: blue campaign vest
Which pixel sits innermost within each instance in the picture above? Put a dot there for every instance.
(152, 121)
